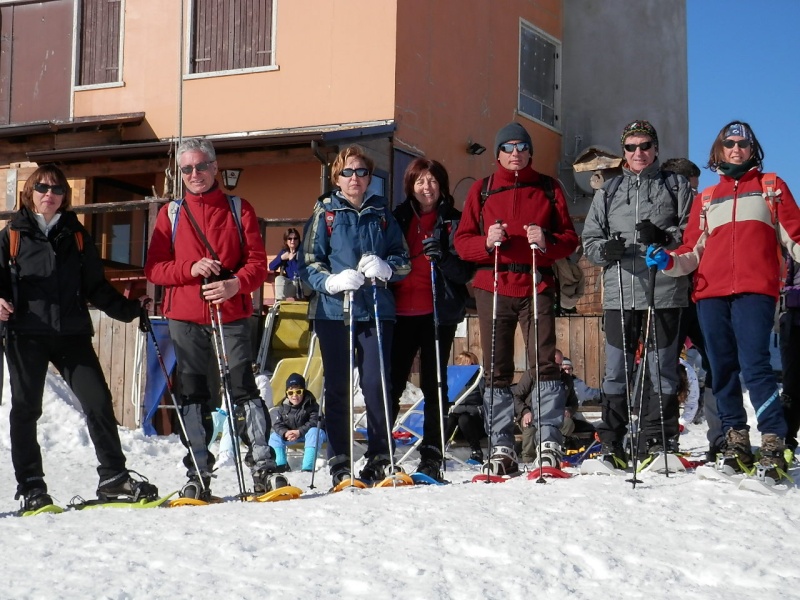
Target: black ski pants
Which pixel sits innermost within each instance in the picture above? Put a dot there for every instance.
(418, 333)
(75, 359)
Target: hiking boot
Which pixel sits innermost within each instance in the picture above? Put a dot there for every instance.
(551, 456)
(377, 468)
(737, 456)
(613, 454)
(772, 461)
(124, 488)
(477, 456)
(33, 499)
(268, 481)
(503, 461)
(712, 453)
(340, 469)
(197, 488)
(431, 468)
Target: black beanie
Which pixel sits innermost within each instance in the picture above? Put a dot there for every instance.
(512, 131)
(295, 380)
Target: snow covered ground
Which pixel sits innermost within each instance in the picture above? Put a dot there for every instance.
(588, 537)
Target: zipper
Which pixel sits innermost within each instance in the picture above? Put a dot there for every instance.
(733, 235)
(633, 259)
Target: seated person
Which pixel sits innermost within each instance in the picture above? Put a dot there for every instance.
(585, 394)
(287, 279)
(296, 420)
(467, 417)
(573, 424)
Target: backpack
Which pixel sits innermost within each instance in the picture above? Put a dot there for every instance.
(235, 203)
(769, 183)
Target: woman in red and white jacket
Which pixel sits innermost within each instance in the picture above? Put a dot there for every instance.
(733, 245)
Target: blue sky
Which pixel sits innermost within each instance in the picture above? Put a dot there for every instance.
(744, 63)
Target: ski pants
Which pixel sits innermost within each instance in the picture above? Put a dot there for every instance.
(193, 345)
(662, 367)
(417, 333)
(75, 359)
(790, 364)
(334, 342)
(737, 331)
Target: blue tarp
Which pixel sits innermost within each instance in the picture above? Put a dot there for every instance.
(155, 385)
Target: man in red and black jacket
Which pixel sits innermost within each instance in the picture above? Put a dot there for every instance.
(507, 213)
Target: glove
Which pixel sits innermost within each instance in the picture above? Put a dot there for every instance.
(348, 280)
(144, 316)
(652, 234)
(657, 257)
(432, 248)
(613, 249)
(372, 266)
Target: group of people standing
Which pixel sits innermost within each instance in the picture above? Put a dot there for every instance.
(390, 284)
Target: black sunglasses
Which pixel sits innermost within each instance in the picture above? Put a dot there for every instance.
(644, 147)
(42, 188)
(741, 143)
(519, 147)
(199, 167)
(293, 239)
(362, 172)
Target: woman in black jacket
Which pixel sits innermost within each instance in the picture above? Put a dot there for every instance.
(429, 222)
(50, 272)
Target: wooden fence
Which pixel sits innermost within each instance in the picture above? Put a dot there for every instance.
(579, 337)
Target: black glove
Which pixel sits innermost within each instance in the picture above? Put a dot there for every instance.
(432, 248)
(613, 249)
(144, 317)
(652, 234)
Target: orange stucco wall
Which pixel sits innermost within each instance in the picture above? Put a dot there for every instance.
(335, 68)
(457, 74)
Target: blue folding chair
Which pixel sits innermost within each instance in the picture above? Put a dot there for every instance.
(461, 380)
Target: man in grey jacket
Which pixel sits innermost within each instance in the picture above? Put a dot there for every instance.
(643, 206)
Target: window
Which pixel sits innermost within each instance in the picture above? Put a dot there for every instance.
(539, 75)
(231, 34)
(100, 42)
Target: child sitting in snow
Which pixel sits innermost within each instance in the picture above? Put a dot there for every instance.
(296, 420)
(467, 417)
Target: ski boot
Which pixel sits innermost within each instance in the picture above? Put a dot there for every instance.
(551, 456)
(124, 488)
(268, 481)
(33, 499)
(771, 462)
(737, 456)
(477, 456)
(198, 487)
(613, 455)
(502, 462)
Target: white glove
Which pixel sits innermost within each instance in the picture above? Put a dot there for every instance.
(347, 281)
(373, 266)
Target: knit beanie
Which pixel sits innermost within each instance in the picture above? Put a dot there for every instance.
(295, 380)
(640, 127)
(512, 131)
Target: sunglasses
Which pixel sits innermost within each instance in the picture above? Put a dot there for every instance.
(644, 147)
(292, 239)
(58, 190)
(519, 147)
(199, 167)
(290, 393)
(359, 172)
(741, 143)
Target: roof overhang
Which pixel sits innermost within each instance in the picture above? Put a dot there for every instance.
(324, 135)
(73, 125)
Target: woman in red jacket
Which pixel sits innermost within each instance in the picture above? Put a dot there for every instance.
(733, 244)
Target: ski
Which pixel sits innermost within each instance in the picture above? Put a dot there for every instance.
(47, 509)
(78, 503)
(595, 466)
(548, 473)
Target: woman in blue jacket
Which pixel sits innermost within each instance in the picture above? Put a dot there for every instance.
(352, 243)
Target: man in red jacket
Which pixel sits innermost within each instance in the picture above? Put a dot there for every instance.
(208, 253)
(507, 213)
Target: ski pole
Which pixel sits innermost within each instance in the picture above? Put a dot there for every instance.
(438, 362)
(382, 365)
(534, 248)
(652, 308)
(225, 377)
(147, 325)
(352, 344)
(494, 341)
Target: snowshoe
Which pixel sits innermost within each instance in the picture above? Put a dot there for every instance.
(124, 488)
(34, 502)
(428, 472)
(268, 481)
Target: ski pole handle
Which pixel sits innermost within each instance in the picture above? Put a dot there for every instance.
(498, 242)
